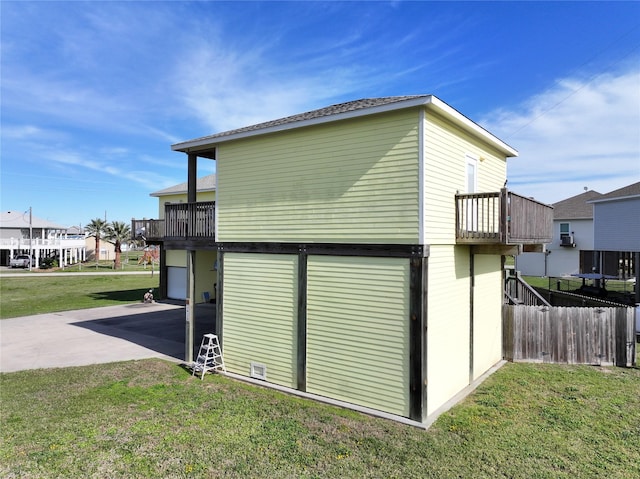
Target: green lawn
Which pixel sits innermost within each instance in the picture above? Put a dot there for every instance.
(152, 419)
(28, 294)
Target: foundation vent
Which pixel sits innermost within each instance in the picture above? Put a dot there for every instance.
(258, 371)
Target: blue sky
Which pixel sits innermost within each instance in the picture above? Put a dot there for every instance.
(94, 94)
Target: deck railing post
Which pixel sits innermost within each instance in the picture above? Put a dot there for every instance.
(504, 216)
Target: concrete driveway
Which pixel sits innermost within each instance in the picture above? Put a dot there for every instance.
(100, 335)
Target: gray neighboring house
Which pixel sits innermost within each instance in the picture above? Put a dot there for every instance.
(616, 233)
(572, 233)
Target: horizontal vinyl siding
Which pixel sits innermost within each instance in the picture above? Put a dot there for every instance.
(446, 148)
(350, 181)
(617, 225)
(448, 324)
(260, 314)
(358, 331)
(487, 313)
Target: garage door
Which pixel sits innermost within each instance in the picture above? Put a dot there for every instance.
(358, 331)
(176, 282)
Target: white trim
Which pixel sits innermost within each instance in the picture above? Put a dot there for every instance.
(215, 210)
(431, 102)
(421, 173)
(617, 198)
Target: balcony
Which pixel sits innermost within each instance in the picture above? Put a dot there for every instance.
(503, 218)
(183, 223)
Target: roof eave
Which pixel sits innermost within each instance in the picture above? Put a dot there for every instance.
(615, 198)
(159, 194)
(429, 101)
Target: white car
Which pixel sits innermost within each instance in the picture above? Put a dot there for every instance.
(20, 261)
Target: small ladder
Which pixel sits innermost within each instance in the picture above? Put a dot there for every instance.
(210, 356)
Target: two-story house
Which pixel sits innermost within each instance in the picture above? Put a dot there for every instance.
(359, 251)
(21, 232)
(572, 234)
(174, 211)
(616, 234)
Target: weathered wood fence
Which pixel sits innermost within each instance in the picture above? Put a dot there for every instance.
(550, 334)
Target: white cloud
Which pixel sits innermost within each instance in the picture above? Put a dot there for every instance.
(231, 90)
(579, 133)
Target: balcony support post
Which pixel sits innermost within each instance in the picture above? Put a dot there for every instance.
(190, 305)
(192, 175)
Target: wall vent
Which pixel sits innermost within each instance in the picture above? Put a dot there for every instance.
(258, 371)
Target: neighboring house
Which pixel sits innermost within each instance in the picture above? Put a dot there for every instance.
(359, 251)
(572, 233)
(173, 262)
(24, 233)
(107, 249)
(616, 243)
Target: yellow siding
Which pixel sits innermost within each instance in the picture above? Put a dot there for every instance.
(358, 330)
(182, 198)
(260, 314)
(487, 315)
(446, 148)
(176, 258)
(448, 324)
(206, 276)
(352, 181)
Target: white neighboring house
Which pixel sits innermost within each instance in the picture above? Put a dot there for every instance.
(22, 233)
(572, 233)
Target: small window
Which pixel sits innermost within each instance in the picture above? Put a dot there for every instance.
(566, 237)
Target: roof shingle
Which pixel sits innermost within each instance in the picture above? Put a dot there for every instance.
(576, 207)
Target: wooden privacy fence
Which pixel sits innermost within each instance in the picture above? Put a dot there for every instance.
(598, 336)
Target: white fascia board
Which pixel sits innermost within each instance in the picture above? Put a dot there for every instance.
(159, 194)
(617, 198)
(429, 101)
(459, 119)
(421, 177)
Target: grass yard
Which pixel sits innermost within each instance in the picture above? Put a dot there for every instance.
(152, 419)
(26, 295)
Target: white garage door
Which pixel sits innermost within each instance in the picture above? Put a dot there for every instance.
(176, 282)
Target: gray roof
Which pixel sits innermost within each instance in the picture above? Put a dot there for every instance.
(20, 219)
(206, 183)
(339, 111)
(576, 207)
(319, 113)
(625, 191)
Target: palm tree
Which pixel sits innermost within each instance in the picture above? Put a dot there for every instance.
(97, 228)
(117, 232)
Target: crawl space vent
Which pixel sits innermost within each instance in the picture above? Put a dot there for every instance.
(258, 371)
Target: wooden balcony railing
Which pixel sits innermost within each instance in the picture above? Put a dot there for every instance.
(182, 221)
(190, 220)
(150, 231)
(502, 218)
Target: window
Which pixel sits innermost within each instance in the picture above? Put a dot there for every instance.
(472, 174)
(566, 238)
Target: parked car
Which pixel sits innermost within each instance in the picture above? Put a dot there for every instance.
(20, 261)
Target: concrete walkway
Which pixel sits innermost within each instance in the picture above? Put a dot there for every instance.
(100, 335)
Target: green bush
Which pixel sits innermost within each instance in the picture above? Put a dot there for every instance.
(49, 263)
